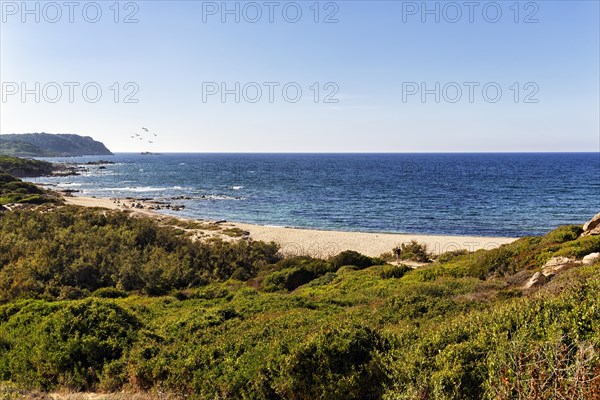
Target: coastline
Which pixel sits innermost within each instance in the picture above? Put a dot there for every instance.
(313, 242)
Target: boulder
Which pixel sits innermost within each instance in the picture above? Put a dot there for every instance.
(556, 261)
(592, 227)
(552, 267)
(557, 264)
(538, 279)
(595, 231)
(591, 258)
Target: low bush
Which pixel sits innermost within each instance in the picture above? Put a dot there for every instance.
(338, 363)
(451, 255)
(86, 249)
(110, 293)
(13, 190)
(69, 345)
(412, 251)
(294, 272)
(394, 271)
(350, 257)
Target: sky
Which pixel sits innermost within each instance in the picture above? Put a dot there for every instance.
(305, 76)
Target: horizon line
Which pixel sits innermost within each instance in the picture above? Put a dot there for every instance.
(359, 152)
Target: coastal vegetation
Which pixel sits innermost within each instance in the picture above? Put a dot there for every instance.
(412, 251)
(25, 167)
(99, 300)
(15, 191)
(19, 148)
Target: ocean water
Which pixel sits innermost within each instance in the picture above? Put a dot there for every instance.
(459, 194)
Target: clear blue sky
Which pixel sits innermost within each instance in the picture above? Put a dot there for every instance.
(371, 54)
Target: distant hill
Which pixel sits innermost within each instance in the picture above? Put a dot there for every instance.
(50, 145)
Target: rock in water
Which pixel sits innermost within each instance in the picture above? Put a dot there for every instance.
(591, 258)
(592, 227)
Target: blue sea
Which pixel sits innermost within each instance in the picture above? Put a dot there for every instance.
(460, 194)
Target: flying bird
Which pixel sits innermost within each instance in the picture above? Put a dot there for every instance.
(146, 129)
(150, 141)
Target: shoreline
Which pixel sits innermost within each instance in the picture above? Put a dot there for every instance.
(313, 242)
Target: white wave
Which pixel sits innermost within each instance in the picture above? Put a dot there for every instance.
(132, 189)
(219, 197)
(68, 184)
(140, 189)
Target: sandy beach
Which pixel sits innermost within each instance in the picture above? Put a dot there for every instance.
(320, 243)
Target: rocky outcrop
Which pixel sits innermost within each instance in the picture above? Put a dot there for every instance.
(25, 167)
(31, 168)
(592, 227)
(591, 258)
(553, 266)
(557, 264)
(538, 279)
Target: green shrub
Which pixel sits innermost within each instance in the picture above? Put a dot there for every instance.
(297, 271)
(323, 280)
(70, 345)
(72, 293)
(338, 363)
(412, 251)
(394, 271)
(350, 257)
(581, 247)
(346, 269)
(110, 293)
(210, 293)
(451, 255)
(288, 279)
(563, 234)
(13, 190)
(89, 249)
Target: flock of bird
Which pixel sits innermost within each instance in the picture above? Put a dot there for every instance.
(141, 137)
